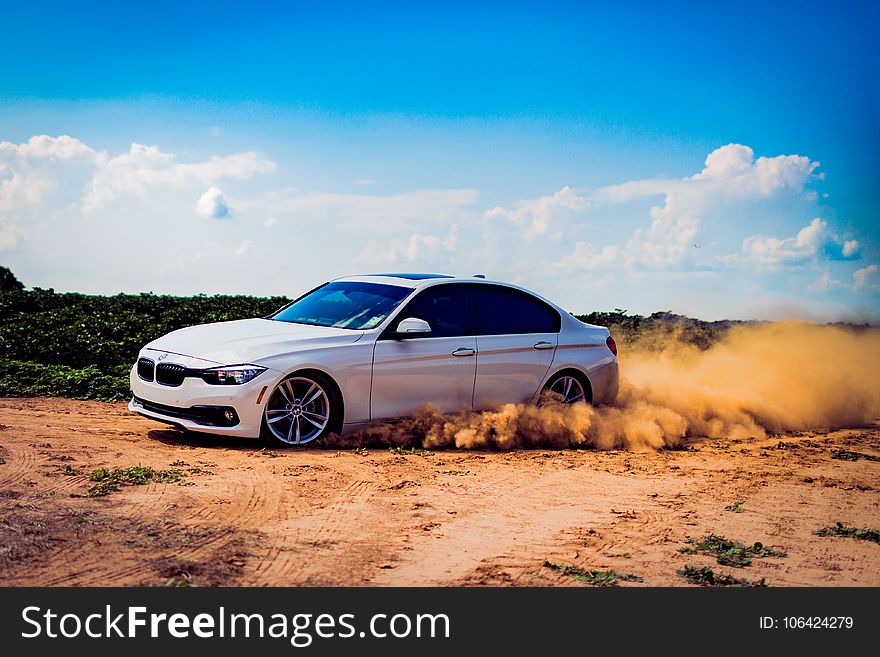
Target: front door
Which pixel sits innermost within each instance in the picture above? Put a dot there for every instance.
(437, 369)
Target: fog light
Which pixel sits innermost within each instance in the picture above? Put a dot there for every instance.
(229, 415)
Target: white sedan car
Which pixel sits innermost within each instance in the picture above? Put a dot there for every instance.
(372, 347)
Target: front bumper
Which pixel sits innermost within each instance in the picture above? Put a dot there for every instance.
(208, 416)
(198, 406)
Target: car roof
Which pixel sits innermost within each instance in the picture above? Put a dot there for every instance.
(425, 280)
(412, 280)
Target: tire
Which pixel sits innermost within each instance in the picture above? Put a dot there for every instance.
(573, 387)
(301, 409)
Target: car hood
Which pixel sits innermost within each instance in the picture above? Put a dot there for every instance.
(249, 340)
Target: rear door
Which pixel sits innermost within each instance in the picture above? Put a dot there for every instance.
(517, 335)
(437, 369)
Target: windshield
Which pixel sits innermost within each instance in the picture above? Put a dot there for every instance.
(344, 304)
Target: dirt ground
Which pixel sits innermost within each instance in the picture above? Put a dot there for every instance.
(242, 516)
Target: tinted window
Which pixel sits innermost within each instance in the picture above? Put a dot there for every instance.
(499, 310)
(542, 318)
(344, 304)
(502, 311)
(444, 307)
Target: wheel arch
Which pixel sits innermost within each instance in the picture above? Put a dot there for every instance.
(331, 380)
(576, 372)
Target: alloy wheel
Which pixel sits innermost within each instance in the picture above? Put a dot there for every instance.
(298, 411)
(569, 388)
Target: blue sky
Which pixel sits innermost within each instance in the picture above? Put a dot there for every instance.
(262, 149)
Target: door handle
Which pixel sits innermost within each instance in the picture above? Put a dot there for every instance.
(543, 344)
(464, 351)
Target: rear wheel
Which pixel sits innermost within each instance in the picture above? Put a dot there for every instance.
(569, 388)
(301, 409)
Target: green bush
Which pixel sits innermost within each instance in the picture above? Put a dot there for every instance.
(83, 346)
(26, 379)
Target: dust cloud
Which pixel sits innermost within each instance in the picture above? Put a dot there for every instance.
(756, 380)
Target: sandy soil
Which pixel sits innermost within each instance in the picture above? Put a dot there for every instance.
(243, 516)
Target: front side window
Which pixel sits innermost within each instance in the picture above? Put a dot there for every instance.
(444, 307)
(344, 304)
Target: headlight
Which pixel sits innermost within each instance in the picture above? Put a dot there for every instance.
(233, 375)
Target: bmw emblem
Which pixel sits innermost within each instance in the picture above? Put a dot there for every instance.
(162, 357)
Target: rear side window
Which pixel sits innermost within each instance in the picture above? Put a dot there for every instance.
(504, 311)
(444, 307)
(542, 318)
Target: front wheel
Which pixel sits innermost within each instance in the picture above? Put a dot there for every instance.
(302, 408)
(567, 388)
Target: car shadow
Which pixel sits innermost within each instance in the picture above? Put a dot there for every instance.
(193, 439)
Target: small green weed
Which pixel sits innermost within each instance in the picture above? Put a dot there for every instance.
(728, 552)
(846, 455)
(107, 481)
(735, 507)
(839, 529)
(705, 576)
(593, 577)
(412, 451)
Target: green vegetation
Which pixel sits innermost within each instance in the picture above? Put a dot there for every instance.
(593, 577)
(8, 281)
(658, 329)
(729, 553)
(846, 455)
(735, 507)
(27, 378)
(839, 529)
(83, 346)
(107, 481)
(706, 577)
(412, 451)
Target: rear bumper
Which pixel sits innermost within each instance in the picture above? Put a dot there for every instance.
(605, 381)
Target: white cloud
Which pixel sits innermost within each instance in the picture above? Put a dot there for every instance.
(423, 250)
(212, 205)
(243, 248)
(731, 174)
(364, 181)
(825, 283)
(537, 215)
(146, 167)
(44, 147)
(586, 256)
(813, 241)
(867, 278)
(46, 177)
(851, 249)
(366, 212)
(9, 234)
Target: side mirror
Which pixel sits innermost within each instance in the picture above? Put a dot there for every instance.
(413, 327)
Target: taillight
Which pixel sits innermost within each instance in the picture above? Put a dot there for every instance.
(611, 345)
